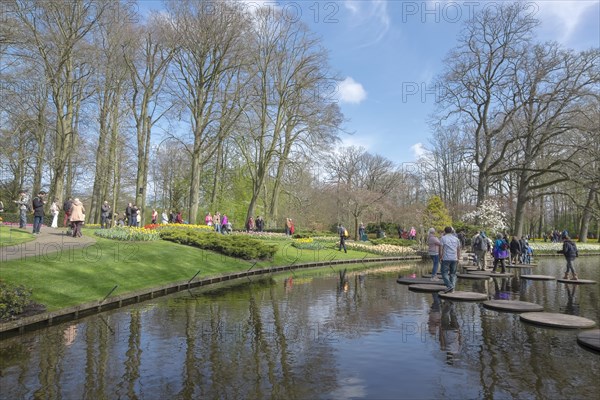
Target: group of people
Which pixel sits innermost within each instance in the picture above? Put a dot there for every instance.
(410, 234)
(220, 222)
(447, 250)
(555, 236)
(257, 224)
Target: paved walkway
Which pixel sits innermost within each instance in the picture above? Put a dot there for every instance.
(43, 247)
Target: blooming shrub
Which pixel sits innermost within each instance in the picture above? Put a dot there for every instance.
(128, 233)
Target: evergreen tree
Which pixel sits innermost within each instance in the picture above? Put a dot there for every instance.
(436, 215)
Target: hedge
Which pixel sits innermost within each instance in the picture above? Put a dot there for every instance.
(239, 246)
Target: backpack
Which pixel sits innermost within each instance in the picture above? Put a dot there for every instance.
(479, 244)
(346, 232)
(504, 245)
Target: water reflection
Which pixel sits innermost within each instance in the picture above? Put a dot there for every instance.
(337, 335)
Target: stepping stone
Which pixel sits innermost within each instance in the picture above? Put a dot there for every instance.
(491, 274)
(470, 268)
(522, 265)
(557, 320)
(424, 288)
(512, 306)
(472, 276)
(412, 281)
(539, 277)
(429, 275)
(590, 339)
(465, 296)
(578, 281)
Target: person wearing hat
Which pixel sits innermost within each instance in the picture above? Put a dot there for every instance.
(569, 250)
(38, 211)
(23, 203)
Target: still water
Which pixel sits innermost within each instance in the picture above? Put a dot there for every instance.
(306, 336)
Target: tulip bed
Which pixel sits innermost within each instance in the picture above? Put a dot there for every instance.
(127, 233)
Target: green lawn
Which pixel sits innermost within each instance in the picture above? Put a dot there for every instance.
(77, 276)
(11, 236)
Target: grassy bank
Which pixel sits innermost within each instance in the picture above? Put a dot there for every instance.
(11, 236)
(75, 276)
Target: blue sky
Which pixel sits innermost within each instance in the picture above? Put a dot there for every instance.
(388, 52)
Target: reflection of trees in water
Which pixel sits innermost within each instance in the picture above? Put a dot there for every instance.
(51, 352)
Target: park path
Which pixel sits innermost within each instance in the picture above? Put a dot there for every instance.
(45, 245)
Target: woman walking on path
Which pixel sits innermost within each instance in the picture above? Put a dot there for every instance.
(77, 217)
(54, 212)
(500, 252)
(569, 250)
(434, 252)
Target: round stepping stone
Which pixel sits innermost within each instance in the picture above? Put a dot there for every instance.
(412, 281)
(465, 296)
(557, 320)
(491, 274)
(539, 277)
(512, 306)
(578, 281)
(421, 287)
(590, 339)
(472, 276)
(470, 268)
(518, 266)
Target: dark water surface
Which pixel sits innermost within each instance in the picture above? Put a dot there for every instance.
(310, 337)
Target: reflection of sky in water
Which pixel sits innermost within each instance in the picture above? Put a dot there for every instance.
(308, 339)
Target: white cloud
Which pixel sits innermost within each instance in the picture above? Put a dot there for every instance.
(371, 17)
(561, 17)
(350, 91)
(418, 150)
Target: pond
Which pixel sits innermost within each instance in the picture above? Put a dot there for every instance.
(303, 335)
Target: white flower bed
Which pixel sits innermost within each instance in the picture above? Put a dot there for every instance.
(381, 249)
(549, 247)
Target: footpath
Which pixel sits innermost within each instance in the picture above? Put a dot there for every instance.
(48, 242)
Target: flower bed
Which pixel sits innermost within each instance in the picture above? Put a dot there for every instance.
(309, 244)
(127, 233)
(548, 247)
(381, 249)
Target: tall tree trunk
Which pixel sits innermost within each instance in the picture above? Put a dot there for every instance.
(587, 214)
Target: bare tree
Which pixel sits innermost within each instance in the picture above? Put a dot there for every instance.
(361, 180)
(57, 31)
(478, 87)
(209, 46)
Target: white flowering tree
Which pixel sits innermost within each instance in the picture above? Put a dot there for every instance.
(488, 216)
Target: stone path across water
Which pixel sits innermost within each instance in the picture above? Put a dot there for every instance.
(49, 241)
(472, 276)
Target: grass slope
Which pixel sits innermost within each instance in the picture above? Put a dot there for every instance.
(11, 236)
(77, 276)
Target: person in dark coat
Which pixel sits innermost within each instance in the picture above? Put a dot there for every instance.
(515, 250)
(38, 212)
(569, 250)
